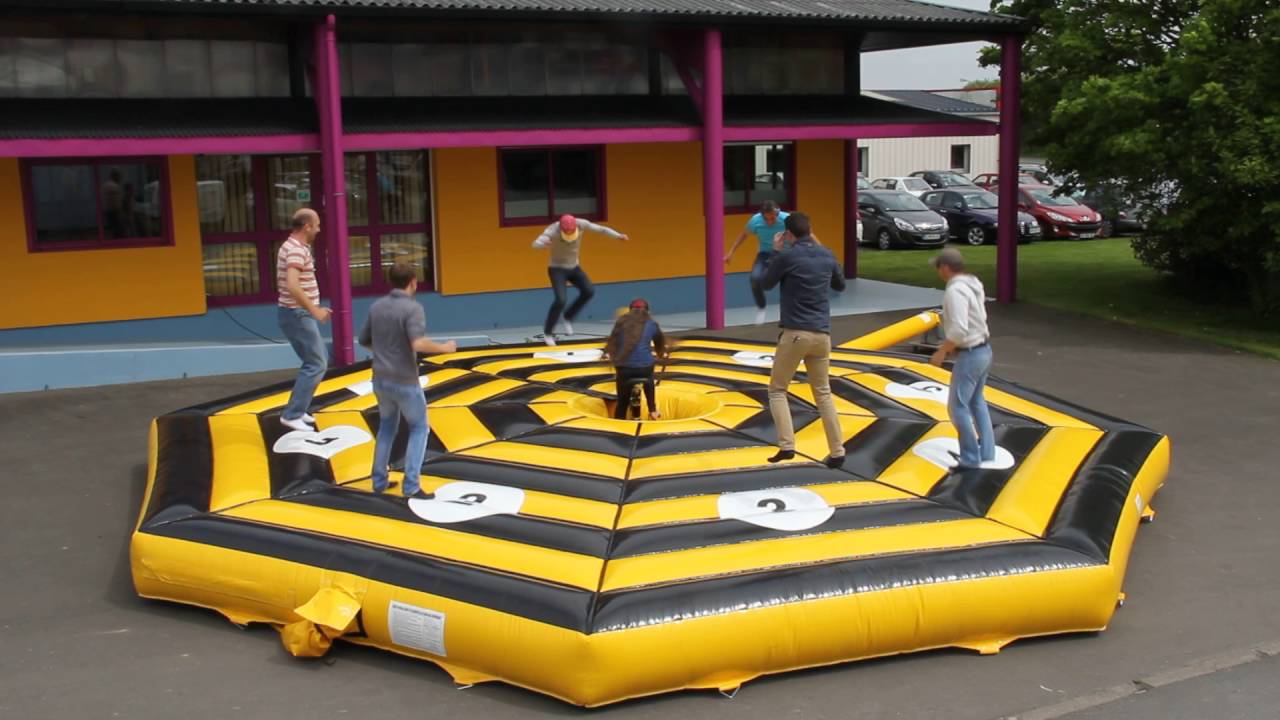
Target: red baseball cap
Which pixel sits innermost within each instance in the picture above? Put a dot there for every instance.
(639, 304)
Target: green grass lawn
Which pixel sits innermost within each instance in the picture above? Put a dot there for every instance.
(1093, 277)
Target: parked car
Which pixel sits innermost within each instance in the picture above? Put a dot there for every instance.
(1040, 172)
(914, 185)
(1118, 214)
(863, 183)
(1060, 216)
(989, 181)
(943, 179)
(893, 217)
(971, 215)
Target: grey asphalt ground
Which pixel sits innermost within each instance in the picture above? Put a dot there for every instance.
(75, 642)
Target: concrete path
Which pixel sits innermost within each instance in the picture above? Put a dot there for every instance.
(75, 642)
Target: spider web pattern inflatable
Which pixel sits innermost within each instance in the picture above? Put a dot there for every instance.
(595, 559)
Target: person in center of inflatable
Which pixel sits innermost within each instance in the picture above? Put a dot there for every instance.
(633, 347)
(765, 225)
(564, 237)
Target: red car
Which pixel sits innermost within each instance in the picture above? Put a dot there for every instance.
(1060, 216)
(988, 181)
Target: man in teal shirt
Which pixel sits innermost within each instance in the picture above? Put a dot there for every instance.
(765, 225)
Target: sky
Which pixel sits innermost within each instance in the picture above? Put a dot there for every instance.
(931, 68)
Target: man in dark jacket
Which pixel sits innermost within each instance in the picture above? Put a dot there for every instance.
(807, 271)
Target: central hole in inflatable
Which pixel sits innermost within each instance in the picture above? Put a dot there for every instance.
(673, 404)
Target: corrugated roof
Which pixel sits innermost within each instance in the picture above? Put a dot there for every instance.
(926, 100)
(907, 12)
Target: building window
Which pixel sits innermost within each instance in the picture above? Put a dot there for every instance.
(783, 63)
(864, 161)
(388, 217)
(495, 64)
(97, 203)
(388, 206)
(755, 173)
(539, 185)
(960, 158)
(120, 68)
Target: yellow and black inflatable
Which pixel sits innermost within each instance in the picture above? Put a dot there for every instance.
(596, 560)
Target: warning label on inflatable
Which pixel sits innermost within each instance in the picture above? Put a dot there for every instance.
(417, 628)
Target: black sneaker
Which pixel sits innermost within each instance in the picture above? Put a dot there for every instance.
(835, 463)
(782, 455)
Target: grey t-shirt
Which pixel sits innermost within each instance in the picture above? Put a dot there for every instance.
(395, 321)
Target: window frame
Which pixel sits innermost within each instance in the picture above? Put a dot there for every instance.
(789, 177)
(102, 243)
(967, 149)
(376, 229)
(263, 235)
(602, 206)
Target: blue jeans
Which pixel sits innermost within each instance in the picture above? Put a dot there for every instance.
(303, 333)
(757, 278)
(968, 408)
(396, 400)
(559, 277)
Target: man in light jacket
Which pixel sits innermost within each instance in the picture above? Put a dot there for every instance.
(964, 323)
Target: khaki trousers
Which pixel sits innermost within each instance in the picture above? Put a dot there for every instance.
(814, 348)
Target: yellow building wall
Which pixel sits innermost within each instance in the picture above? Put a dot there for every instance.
(654, 194)
(79, 286)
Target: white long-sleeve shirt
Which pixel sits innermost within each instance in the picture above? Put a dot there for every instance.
(964, 311)
(565, 254)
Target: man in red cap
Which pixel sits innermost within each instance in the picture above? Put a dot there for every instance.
(565, 239)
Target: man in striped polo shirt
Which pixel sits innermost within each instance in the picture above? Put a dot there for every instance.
(300, 315)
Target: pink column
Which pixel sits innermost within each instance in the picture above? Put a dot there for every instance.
(1010, 148)
(851, 208)
(713, 176)
(328, 92)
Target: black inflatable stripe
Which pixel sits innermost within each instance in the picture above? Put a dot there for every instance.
(686, 536)
(872, 451)
(608, 443)
(626, 609)
(648, 446)
(1099, 420)
(436, 392)
(1090, 510)
(676, 486)
(999, 416)
(560, 482)
(529, 393)
(184, 469)
(761, 426)
(506, 421)
(878, 404)
(216, 406)
(521, 596)
(975, 490)
(553, 534)
(290, 472)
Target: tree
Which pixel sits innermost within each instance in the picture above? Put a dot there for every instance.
(986, 84)
(1178, 103)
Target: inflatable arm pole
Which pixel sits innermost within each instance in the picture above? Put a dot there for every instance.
(898, 332)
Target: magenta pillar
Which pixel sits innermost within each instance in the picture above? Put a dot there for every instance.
(1010, 149)
(328, 94)
(851, 208)
(713, 175)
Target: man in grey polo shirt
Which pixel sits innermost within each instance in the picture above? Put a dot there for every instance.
(396, 331)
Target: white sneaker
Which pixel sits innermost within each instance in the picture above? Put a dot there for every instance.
(760, 316)
(568, 326)
(296, 424)
(550, 340)
(309, 418)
